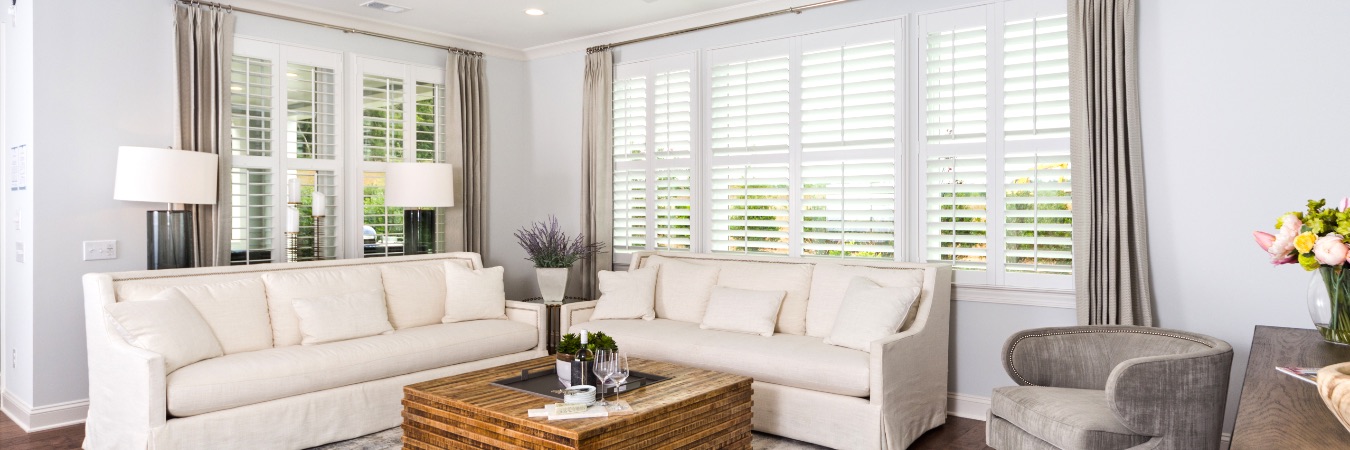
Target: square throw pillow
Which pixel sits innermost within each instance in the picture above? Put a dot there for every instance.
(415, 293)
(473, 294)
(831, 281)
(171, 327)
(342, 317)
(626, 295)
(743, 310)
(870, 312)
(285, 286)
(235, 310)
(682, 289)
(793, 279)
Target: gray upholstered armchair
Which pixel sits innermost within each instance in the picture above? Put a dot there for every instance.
(1111, 387)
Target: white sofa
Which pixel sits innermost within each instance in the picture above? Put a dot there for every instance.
(282, 396)
(805, 389)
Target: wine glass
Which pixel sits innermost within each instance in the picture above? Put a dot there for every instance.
(603, 368)
(619, 372)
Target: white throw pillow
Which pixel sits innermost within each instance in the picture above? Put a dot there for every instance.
(682, 289)
(743, 310)
(171, 327)
(415, 293)
(626, 295)
(794, 279)
(870, 312)
(342, 317)
(473, 294)
(830, 281)
(235, 310)
(283, 287)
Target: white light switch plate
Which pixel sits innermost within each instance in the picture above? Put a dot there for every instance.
(95, 250)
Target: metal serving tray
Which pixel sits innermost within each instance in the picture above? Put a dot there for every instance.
(544, 382)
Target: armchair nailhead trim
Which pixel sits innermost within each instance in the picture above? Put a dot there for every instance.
(1024, 381)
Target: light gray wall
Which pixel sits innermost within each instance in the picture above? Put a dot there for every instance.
(1245, 104)
(18, 206)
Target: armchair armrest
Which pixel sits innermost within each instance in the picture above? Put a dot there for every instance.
(1180, 396)
(575, 313)
(533, 314)
(1079, 357)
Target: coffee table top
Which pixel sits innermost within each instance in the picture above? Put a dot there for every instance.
(472, 393)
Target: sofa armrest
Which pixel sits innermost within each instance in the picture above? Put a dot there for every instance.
(127, 388)
(908, 369)
(1179, 397)
(575, 313)
(533, 314)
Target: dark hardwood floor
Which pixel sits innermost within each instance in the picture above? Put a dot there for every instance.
(957, 434)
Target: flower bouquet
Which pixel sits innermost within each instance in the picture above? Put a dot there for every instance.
(1316, 240)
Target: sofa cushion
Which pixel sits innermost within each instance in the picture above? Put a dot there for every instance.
(286, 286)
(682, 289)
(626, 295)
(341, 317)
(415, 293)
(235, 310)
(798, 361)
(769, 276)
(830, 281)
(246, 378)
(1065, 418)
(474, 294)
(172, 328)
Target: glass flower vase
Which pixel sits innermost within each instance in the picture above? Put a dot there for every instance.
(1329, 303)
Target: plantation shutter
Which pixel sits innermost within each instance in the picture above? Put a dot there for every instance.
(630, 155)
(848, 142)
(251, 216)
(750, 142)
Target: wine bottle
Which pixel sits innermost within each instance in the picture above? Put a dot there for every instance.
(581, 363)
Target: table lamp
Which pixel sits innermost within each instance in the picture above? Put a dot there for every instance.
(419, 188)
(166, 176)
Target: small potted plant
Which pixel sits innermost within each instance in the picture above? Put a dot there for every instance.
(570, 344)
(553, 253)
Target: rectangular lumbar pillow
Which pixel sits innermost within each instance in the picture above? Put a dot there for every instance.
(473, 294)
(870, 312)
(743, 310)
(235, 310)
(682, 289)
(415, 293)
(285, 287)
(626, 295)
(171, 327)
(342, 317)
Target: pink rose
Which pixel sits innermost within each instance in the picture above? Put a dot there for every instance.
(1345, 204)
(1331, 250)
(1282, 247)
(1266, 240)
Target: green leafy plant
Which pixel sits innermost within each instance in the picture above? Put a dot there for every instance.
(570, 343)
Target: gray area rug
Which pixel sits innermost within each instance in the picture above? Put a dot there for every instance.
(393, 439)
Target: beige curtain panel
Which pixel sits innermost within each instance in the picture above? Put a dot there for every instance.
(1110, 235)
(597, 210)
(467, 138)
(205, 43)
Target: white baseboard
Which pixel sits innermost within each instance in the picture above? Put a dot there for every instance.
(32, 419)
(968, 406)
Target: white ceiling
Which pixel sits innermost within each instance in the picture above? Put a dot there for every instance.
(504, 23)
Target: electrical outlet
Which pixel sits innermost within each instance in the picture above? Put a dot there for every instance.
(18, 252)
(13, 358)
(96, 250)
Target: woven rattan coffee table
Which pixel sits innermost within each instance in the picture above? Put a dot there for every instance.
(693, 409)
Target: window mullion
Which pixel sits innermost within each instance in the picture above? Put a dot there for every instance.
(996, 236)
(795, 148)
(649, 157)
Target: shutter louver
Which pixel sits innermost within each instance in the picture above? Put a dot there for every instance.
(385, 223)
(673, 102)
(955, 91)
(382, 118)
(956, 211)
(848, 98)
(630, 210)
(848, 209)
(630, 120)
(1038, 215)
(672, 211)
(251, 214)
(309, 246)
(1036, 78)
(750, 208)
(430, 107)
(750, 107)
(630, 155)
(251, 106)
(311, 104)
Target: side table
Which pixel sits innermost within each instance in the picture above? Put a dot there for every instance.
(1280, 411)
(554, 318)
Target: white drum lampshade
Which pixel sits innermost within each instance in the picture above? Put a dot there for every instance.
(419, 185)
(166, 176)
(420, 188)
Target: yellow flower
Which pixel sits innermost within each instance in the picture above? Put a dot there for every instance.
(1304, 242)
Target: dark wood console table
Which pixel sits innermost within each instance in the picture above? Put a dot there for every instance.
(1277, 411)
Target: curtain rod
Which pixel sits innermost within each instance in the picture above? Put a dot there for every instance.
(793, 10)
(333, 27)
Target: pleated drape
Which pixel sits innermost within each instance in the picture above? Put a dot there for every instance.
(1110, 235)
(467, 137)
(205, 44)
(597, 189)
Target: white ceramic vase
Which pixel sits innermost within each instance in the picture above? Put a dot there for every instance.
(552, 283)
(564, 369)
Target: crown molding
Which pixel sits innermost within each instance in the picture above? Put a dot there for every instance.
(283, 7)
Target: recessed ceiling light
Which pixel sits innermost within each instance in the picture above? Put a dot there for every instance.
(386, 7)
(534, 12)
